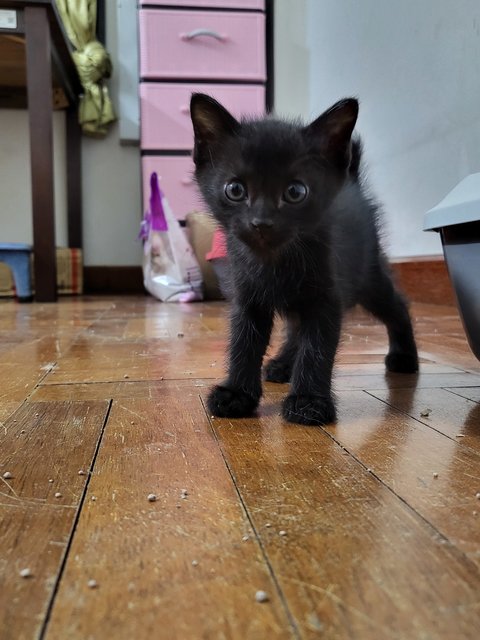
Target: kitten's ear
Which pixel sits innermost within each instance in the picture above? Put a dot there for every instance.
(210, 121)
(333, 131)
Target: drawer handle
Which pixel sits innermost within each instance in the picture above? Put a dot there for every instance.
(186, 181)
(203, 32)
(184, 109)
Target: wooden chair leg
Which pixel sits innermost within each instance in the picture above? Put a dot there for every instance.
(40, 114)
(74, 179)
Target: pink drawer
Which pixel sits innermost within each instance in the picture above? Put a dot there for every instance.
(176, 181)
(172, 45)
(221, 4)
(165, 114)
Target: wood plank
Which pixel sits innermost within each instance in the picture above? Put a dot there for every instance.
(405, 381)
(178, 357)
(454, 416)
(141, 553)
(356, 561)
(471, 393)
(375, 368)
(148, 390)
(36, 352)
(448, 346)
(201, 356)
(404, 454)
(18, 380)
(39, 442)
(6, 410)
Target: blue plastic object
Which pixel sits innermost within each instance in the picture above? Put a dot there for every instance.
(17, 256)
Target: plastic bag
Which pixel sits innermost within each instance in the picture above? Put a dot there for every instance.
(170, 269)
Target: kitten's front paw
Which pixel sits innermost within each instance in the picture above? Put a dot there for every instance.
(278, 371)
(399, 362)
(231, 403)
(309, 409)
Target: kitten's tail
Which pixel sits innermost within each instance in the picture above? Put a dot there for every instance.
(356, 151)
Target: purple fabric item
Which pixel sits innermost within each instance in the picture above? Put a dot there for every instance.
(157, 213)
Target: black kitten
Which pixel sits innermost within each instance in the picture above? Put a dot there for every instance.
(302, 241)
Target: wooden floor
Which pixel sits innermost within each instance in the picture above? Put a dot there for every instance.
(363, 530)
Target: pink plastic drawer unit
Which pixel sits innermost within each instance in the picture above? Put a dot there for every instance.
(176, 181)
(219, 4)
(217, 47)
(165, 114)
(203, 45)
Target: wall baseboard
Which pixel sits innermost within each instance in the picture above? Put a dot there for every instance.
(125, 280)
(422, 279)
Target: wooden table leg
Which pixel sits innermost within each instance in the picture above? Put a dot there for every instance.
(74, 179)
(40, 114)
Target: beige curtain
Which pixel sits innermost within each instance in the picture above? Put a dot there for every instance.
(93, 63)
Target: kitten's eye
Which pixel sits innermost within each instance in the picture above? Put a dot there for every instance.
(235, 191)
(295, 193)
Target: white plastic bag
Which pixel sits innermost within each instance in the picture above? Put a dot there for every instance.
(170, 269)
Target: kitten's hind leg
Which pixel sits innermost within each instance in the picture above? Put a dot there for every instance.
(279, 368)
(384, 301)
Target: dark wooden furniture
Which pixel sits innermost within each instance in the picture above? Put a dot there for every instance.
(37, 71)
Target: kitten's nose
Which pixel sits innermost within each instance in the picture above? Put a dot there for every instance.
(261, 224)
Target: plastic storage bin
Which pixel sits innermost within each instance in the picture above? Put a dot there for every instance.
(457, 219)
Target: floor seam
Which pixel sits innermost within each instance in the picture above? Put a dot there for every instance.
(51, 602)
(291, 619)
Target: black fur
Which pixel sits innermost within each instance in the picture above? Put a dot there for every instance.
(308, 261)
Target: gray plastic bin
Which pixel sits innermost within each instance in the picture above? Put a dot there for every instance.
(457, 219)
